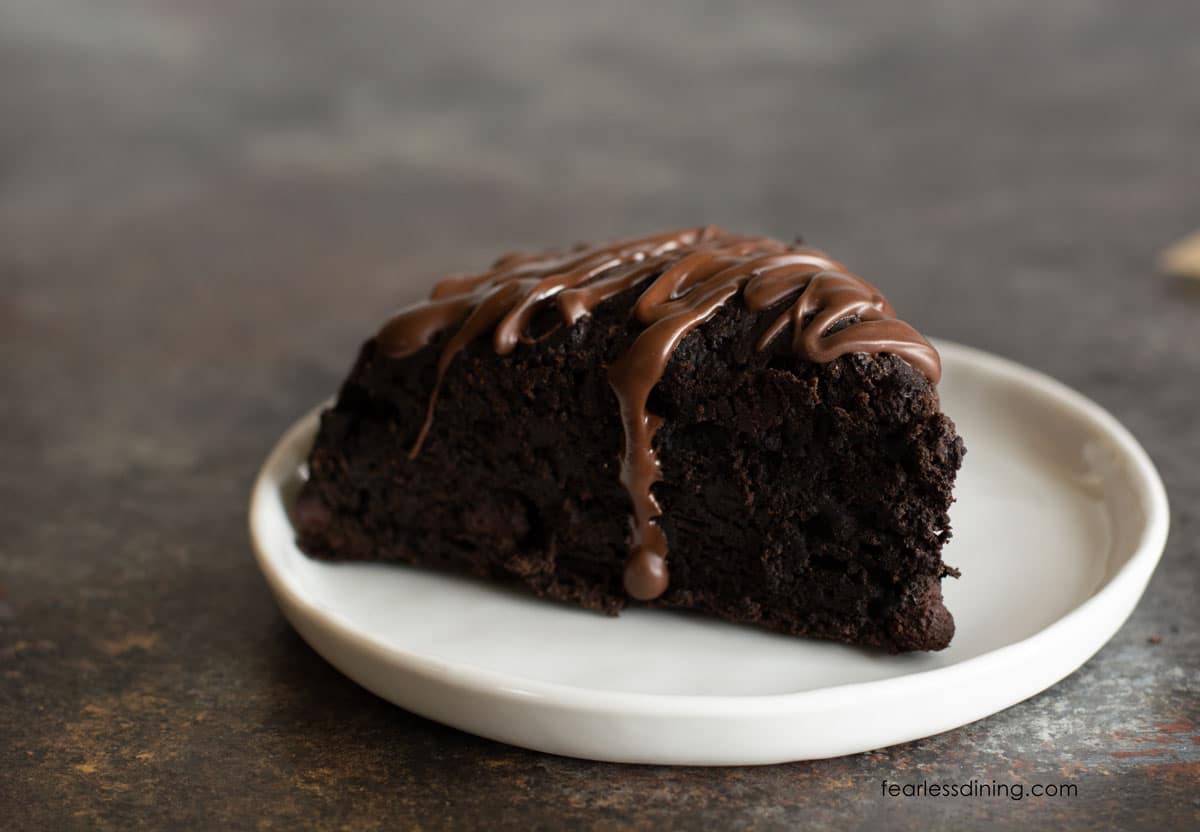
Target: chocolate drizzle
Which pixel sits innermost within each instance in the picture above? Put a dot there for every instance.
(691, 274)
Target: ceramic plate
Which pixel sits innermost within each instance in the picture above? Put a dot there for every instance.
(1060, 520)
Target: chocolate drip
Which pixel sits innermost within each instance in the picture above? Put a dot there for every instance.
(692, 273)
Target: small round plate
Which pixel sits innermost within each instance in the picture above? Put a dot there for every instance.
(1060, 520)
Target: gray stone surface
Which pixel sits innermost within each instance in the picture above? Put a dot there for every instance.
(205, 205)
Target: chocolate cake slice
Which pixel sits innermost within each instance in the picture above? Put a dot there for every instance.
(695, 419)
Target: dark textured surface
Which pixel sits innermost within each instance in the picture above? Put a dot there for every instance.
(809, 499)
(203, 204)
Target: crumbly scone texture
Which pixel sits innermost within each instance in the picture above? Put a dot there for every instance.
(809, 499)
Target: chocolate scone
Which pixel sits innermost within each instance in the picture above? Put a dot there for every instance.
(694, 419)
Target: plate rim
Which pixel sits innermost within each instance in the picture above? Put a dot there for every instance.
(1128, 582)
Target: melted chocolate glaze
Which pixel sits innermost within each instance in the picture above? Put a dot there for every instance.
(690, 274)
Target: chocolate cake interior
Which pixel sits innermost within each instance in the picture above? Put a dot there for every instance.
(809, 497)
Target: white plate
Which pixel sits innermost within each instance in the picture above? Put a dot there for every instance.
(1060, 520)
